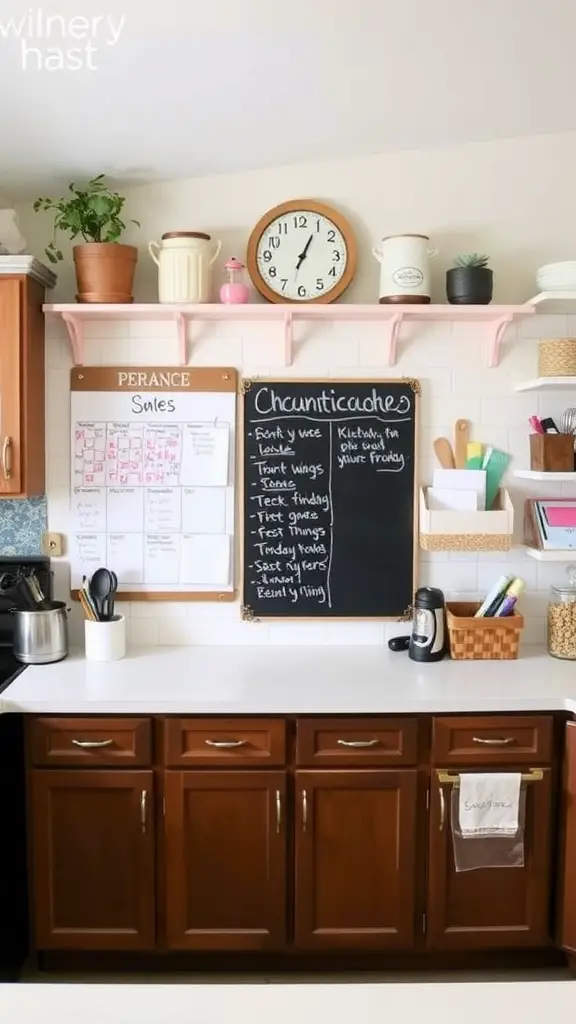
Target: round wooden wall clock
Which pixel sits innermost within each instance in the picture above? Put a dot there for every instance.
(302, 251)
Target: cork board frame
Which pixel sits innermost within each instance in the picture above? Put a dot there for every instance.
(158, 379)
(246, 612)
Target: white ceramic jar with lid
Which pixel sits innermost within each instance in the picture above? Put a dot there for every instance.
(184, 259)
(404, 272)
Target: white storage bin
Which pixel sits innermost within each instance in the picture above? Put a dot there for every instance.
(467, 531)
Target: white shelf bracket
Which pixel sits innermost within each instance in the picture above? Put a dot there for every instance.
(497, 329)
(288, 321)
(76, 335)
(395, 324)
(181, 331)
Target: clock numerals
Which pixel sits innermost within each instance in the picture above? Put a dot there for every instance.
(301, 291)
(274, 241)
(283, 282)
(331, 235)
(272, 271)
(336, 256)
(282, 228)
(332, 272)
(319, 284)
(267, 255)
(300, 221)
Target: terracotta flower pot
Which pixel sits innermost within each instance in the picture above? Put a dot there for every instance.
(105, 271)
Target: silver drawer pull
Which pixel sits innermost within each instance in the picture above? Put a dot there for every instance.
(503, 742)
(358, 743)
(92, 744)
(225, 744)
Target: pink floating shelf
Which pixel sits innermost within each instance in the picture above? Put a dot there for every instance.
(496, 319)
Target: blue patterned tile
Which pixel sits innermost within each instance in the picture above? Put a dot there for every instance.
(22, 523)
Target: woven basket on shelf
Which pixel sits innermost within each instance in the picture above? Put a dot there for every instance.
(481, 639)
(557, 357)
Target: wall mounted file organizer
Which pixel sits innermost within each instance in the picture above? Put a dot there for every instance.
(467, 531)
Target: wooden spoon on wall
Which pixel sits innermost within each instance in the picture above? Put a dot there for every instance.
(444, 454)
(461, 443)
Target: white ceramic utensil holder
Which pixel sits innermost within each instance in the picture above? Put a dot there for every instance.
(105, 641)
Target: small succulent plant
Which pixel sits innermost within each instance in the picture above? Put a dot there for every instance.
(471, 259)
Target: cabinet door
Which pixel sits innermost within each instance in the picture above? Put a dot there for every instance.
(490, 908)
(567, 917)
(225, 859)
(93, 859)
(356, 838)
(11, 310)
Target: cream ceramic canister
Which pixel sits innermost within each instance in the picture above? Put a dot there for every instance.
(184, 259)
(234, 291)
(404, 270)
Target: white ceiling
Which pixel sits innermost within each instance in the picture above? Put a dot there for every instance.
(195, 88)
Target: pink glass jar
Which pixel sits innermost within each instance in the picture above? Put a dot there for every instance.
(235, 291)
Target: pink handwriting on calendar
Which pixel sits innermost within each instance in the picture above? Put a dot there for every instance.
(89, 454)
(124, 454)
(162, 453)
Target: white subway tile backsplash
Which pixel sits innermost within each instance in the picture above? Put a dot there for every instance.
(449, 360)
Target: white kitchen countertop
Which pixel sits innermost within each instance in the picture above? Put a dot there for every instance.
(295, 680)
(436, 1003)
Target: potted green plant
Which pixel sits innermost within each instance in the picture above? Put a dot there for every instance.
(470, 280)
(104, 267)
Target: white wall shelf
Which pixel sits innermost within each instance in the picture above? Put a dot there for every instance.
(494, 318)
(554, 302)
(551, 555)
(536, 474)
(547, 384)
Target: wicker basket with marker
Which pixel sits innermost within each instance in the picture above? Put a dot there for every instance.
(478, 638)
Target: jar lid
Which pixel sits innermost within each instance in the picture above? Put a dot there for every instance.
(570, 586)
(233, 264)
(186, 234)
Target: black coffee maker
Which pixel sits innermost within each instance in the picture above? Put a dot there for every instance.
(428, 639)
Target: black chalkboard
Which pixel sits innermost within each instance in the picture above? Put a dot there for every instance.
(329, 510)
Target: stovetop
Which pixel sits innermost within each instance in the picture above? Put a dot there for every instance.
(10, 567)
(9, 668)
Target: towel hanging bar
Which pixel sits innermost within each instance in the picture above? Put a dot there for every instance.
(450, 779)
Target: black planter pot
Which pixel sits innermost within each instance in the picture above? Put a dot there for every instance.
(469, 286)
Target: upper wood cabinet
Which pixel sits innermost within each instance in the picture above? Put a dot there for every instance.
(225, 863)
(356, 843)
(490, 908)
(93, 859)
(567, 908)
(21, 387)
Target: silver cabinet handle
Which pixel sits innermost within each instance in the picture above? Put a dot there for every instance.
(304, 810)
(143, 805)
(278, 812)
(442, 809)
(92, 744)
(225, 744)
(7, 458)
(358, 743)
(503, 742)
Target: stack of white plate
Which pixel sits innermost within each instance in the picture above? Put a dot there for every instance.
(557, 277)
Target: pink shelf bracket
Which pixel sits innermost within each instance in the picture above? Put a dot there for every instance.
(181, 331)
(76, 334)
(395, 324)
(288, 321)
(497, 329)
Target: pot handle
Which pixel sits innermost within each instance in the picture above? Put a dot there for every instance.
(378, 255)
(152, 247)
(215, 256)
(432, 253)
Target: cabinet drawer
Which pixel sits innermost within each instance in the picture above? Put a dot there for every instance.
(224, 741)
(91, 741)
(335, 742)
(492, 739)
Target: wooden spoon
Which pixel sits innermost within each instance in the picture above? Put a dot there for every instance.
(461, 443)
(444, 454)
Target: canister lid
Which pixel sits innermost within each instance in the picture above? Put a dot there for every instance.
(186, 234)
(568, 588)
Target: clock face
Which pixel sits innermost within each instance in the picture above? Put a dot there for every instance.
(300, 254)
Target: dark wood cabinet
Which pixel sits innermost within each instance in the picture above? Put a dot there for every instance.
(490, 908)
(225, 857)
(22, 427)
(356, 845)
(93, 859)
(567, 902)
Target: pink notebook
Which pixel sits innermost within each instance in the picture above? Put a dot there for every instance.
(561, 515)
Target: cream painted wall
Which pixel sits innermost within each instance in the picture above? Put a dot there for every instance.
(513, 199)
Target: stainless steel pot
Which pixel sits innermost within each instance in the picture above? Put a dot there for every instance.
(41, 637)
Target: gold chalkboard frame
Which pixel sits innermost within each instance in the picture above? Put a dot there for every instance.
(246, 613)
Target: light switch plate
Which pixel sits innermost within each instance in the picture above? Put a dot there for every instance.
(52, 544)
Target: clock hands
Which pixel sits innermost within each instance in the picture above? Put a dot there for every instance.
(304, 253)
